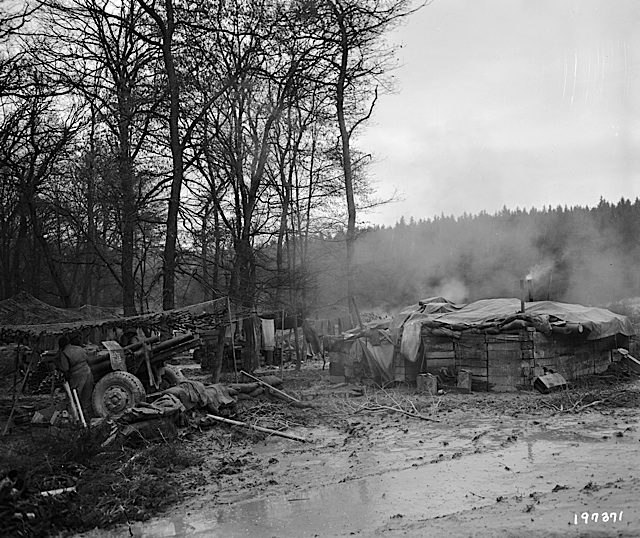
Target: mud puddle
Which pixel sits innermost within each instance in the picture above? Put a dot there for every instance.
(445, 484)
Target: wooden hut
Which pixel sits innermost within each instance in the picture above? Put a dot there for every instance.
(503, 343)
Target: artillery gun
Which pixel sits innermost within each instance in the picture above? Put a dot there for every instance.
(124, 375)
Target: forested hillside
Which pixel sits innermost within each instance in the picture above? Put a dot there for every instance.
(584, 255)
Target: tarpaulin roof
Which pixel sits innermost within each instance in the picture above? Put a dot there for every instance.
(598, 321)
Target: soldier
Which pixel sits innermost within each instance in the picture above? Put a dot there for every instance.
(129, 336)
(74, 366)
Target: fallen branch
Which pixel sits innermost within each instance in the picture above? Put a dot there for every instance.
(589, 405)
(58, 491)
(389, 408)
(258, 428)
(276, 391)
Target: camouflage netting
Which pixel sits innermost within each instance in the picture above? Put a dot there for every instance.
(25, 309)
(27, 319)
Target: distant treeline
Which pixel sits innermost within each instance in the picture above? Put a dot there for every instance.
(572, 254)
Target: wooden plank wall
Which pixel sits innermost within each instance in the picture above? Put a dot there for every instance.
(508, 361)
(563, 355)
(437, 352)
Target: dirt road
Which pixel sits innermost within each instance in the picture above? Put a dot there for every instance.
(484, 465)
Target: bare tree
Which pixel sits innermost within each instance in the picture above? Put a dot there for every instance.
(35, 140)
(359, 58)
(95, 51)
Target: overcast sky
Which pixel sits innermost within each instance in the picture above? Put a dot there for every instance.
(510, 102)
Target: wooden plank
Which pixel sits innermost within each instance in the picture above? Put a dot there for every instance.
(471, 362)
(437, 344)
(604, 357)
(527, 354)
(505, 369)
(477, 347)
(501, 356)
(504, 337)
(550, 362)
(439, 363)
(439, 354)
(504, 379)
(503, 346)
(470, 338)
(475, 370)
(558, 340)
(462, 357)
(500, 338)
(478, 385)
(547, 353)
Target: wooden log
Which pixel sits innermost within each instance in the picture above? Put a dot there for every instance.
(257, 428)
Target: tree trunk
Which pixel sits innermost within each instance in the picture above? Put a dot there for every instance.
(125, 166)
(348, 172)
(16, 271)
(207, 292)
(167, 29)
(65, 296)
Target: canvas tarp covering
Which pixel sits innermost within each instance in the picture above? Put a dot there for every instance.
(599, 322)
(379, 339)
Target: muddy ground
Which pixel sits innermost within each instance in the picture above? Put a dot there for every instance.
(484, 464)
